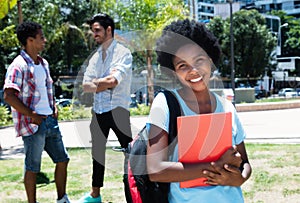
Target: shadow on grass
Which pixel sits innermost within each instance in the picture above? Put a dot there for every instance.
(12, 152)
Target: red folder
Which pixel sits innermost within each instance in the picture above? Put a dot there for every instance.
(203, 138)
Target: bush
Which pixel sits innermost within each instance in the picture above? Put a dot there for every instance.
(5, 116)
(142, 109)
(73, 112)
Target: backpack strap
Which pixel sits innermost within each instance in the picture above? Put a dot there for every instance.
(175, 111)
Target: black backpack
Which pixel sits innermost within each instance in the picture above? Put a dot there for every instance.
(138, 187)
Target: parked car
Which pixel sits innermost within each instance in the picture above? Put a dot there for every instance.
(260, 93)
(298, 91)
(134, 102)
(66, 102)
(287, 92)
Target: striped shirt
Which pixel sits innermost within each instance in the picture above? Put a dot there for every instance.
(20, 76)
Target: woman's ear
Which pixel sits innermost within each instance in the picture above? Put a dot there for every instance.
(213, 67)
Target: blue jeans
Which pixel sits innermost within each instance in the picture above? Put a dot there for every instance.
(48, 138)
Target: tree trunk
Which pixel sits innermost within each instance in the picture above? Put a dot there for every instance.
(150, 76)
(19, 4)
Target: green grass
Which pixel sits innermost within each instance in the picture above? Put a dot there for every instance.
(276, 173)
(275, 99)
(275, 177)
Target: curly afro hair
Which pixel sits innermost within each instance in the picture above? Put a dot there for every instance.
(182, 32)
(26, 30)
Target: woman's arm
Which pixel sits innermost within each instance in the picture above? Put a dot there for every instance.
(226, 174)
(162, 170)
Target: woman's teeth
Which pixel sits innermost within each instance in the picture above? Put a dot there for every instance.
(196, 79)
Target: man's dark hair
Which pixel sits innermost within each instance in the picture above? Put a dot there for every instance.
(182, 32)
(104, 20)
(27, 29)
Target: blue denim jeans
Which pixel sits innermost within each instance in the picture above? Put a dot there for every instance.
(48, 138)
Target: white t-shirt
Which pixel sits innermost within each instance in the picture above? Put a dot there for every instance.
(43, 106)
(159, 116)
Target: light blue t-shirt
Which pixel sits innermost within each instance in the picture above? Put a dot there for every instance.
(159, 116)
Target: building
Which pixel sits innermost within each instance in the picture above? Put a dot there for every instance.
(291, 7)
(288, 68)
(203, 10)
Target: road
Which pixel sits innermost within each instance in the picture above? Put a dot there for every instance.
(274, 126)
(277, 126)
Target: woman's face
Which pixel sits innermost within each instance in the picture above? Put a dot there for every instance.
(193, 67)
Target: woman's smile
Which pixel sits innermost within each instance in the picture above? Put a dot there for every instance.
(196, 79)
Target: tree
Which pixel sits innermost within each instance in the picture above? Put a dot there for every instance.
(62, 22)
(253, 43)
(290, 34)
(8, 49)
(146, 19)
(292, 39)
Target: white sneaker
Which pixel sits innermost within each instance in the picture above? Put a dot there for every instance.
(65, 199)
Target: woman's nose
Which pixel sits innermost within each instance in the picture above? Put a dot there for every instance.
(193, 68)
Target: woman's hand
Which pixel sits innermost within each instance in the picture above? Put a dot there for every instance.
(231, 157)
(224, 175)
(226, 171)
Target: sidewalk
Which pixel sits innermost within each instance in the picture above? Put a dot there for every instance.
(276, 127)
(75, 134)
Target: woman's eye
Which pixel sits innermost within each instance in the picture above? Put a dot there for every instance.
(181, 66)
(199, 61)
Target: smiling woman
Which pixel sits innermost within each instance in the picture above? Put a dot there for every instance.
(190, 50)
(192, 66)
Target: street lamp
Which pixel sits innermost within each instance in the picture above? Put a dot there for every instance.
(144, 73)
(232, 52)
(279, 38)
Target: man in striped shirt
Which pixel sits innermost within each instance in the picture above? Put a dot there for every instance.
(28, 89)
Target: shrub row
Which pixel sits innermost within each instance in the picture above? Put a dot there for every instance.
(72, 112)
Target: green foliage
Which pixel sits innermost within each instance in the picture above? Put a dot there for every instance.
(264, 180)
(263, 183)
(290, 34)
(275, 99)
(286, 192)
(69, 41)
(5, 116)
(62, 22)
(8, 39)
(142, 109)
(273, 172)
(73, 112)
(253, 43)
(292, 42)
(146, 19)
(8, 48)
(65, 113)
